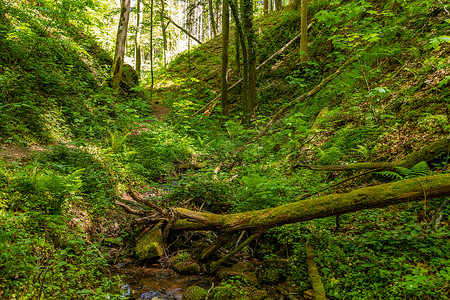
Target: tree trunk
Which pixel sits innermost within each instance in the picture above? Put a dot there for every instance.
(151, 47)
(234, 11)
(383, 195)
(137, 39)
(278, 5)
(163, 29)
(225, 41)
(296, 4)
(304, 32)
(119, 56)
(249, 107)
(211, 17)
(266, 7)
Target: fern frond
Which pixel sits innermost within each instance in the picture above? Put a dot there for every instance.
(404, 172)
(420, 169)
(390, 175)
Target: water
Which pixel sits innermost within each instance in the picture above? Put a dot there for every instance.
(155, 282)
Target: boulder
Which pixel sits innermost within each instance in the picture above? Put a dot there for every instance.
(149, 245)
(195, 293)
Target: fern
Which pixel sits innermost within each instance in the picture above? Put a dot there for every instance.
(391, 175)
(420, 169)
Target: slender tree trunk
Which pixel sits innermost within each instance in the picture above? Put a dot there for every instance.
(250, 107)
(296, 4)
(211, 17)
(266, 7)
(151, 47)
(119, 56)
(304, 32)
(278, 5)
(137, 55)
(225, 41)
(234, 11)
(163, 29)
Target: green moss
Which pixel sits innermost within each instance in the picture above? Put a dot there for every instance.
(195, 293)
(149, 245)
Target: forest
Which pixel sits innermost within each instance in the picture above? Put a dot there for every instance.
(224, 149)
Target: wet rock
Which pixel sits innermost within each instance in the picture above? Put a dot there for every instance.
(195, 293)
(183, 263)
(244, 271)
(149, 244)
(186, 268)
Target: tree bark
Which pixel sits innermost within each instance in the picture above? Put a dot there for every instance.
(304, 32)
(163, 29)
(278, 5)
(211, 18)
(383, 195)
(250, 106)
(151, 49)
(266, 7)
(119, 56)
(225, 41)
(234, 11)
(137, 39)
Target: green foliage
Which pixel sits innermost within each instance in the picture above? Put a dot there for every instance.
(420, 169)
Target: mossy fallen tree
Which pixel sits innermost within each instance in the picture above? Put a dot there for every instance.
(181, 219)
(415, 189)
(426, 154)
(383, 195)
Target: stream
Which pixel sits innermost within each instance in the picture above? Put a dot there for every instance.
(155, 282)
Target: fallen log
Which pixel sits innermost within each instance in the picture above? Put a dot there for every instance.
(383, 195)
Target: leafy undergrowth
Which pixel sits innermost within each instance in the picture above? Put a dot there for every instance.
(393, 100)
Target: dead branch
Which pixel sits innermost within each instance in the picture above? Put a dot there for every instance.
(184, 30)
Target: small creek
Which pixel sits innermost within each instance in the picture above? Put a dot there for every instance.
(155, 282)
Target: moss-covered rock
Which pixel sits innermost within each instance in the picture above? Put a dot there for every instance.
(195, 293)
(186, 268)
(273, 271)
(183, 263)
(149, 245)
(222, 293)
(245, 271)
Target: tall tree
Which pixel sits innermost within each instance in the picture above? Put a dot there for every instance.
(266, 7)
(137, 37)
(151, 46)
(164, 33)
(247, 16)
(211, 17)
(225, 42)
(117, 67)
(304, 32)
(278, 5)
(240, 35)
